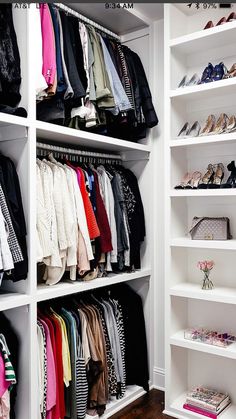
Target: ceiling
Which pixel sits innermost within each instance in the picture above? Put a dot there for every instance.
(119, 20)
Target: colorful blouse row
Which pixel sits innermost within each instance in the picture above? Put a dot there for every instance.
(81, 355)
(90, 221)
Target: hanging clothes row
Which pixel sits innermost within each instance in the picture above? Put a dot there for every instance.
(89, 348)
(9, 349)
(90, 219)
(13, 249)
(88, 80)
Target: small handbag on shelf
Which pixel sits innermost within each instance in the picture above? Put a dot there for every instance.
(210, 228)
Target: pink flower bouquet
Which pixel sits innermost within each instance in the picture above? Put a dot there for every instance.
(206, 267)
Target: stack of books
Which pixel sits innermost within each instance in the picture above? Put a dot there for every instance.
(206, 402)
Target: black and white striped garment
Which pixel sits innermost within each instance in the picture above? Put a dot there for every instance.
(12, 239)
(120, 326)
(81, 388)
(44, 412)
(127, 83)
(112, 380)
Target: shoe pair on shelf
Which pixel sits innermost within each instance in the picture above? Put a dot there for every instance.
(193, 81)
(190, 130)
(212, 179)
(223, 124)
(211, 73)
(223, 20)
(218, 72)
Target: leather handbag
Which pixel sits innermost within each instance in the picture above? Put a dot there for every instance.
(210, 228)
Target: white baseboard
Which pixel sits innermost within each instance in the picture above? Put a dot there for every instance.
(159, 378)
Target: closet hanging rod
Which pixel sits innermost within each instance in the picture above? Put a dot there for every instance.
(86, 20)
(84, 153)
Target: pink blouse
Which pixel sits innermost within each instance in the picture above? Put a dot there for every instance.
(48, 42)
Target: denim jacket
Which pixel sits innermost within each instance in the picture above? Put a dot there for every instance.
(122, 102)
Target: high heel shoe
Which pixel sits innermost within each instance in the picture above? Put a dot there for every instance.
(183, 82)
(207, 179)
(231, 181)
(209, 125)
(207, 74)
(185, 181)
(231, 72)
(194, 130)
(184, 131)
(221, 21)
(231, 125)
(194, 182)
(231, 17)
(193, 81)
(218, 176)
(221, 124)
(219, 72)
(209, 25)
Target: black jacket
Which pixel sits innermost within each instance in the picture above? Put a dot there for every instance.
(71, 59)
(143, 97)
(10, 71)
(136, 354)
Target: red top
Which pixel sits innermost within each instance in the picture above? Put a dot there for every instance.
(90, 216)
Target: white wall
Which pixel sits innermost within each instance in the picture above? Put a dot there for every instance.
(158, 177)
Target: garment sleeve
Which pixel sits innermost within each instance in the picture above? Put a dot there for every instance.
(145, 94)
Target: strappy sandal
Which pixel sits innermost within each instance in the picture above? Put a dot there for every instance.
(185, 181)
(195, 179)
(218, 176)
(231, 181)
(207, 179)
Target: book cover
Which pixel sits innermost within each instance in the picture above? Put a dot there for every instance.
(200, 411)
(207, 406)
(203, 412)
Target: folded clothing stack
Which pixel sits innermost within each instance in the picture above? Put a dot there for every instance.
(206, 402)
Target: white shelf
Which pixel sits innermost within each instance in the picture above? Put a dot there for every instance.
(46, 292)
(206, 139)
(218, 294)
(7, 119)
(79, 138)
(179, 412)
(206, 90)
(132, 394)
(12, 300)
(205, 39)
(202, 192)
(204, 244)
(178, 340)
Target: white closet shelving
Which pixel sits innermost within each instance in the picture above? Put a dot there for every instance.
(18, 140)
(188, 49)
